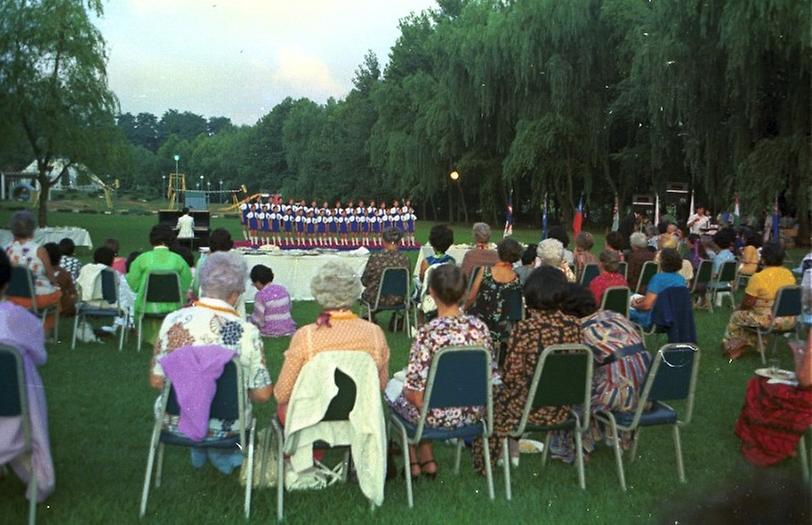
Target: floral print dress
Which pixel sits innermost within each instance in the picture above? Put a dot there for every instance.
(491, 307)
(462, 330)
(528, 339)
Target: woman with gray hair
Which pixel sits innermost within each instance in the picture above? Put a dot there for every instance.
(481, 254)
(23, 251)
(213, 323)
(335, 288)
(551, 253)
(389, 257)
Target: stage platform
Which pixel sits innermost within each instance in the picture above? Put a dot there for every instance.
(339, 247)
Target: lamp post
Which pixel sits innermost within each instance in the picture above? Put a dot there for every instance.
(221, 191)
(177, 158)
(163, 185)
(200, 184)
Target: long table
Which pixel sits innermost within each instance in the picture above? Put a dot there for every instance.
(295, 272)
(80, 236)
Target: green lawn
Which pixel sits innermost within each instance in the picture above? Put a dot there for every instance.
(100, 420)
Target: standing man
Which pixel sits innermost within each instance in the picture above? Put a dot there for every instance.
(186, 226)
(698, 222)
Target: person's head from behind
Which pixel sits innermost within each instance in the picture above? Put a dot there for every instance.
(447, 285)
(638, 241)
(509, 250)
(545, 288)
(550, 252)
(584, 242)
(662, 227)
(220, 241)
(482, 233)
(578, 301)
(667, 242)
(670, 261)
(614, 240)
(104, 255)
(558, 232)
(672, 229)
(752, 238)
(54, 253)
(609, 261)
(186, 211)
(5, 271)
(22, 224)
(335, 286)
(222, 276)
(529, 255)
(772, 254)
(130, 258)
(391, 238)
(441, 237)
(651, 231)
(67, 247)
(725, 238)
(161, 235)
(261, 275)
(113, 245)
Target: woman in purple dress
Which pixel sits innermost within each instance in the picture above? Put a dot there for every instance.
(272, 305)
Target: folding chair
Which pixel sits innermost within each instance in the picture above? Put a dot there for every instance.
(394, 281)
(623, 269)
(160, 287)
(458, 377)
(338, 410)
(471, 278)
(21, 285)
(14, 403)
(648, 271)
(677, 295)
(787, 304)
(513, 312)
(228, 404)
(702, 278)
(616, 299)
(722, 285)
(672, 377)
(107, 283)
(590, 271)
(563, 377)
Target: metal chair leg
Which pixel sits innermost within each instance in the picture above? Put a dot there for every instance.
(280, 474)
(249, 483)
(506, 467)
(458, 456)
(140, 327)
(32, 501)
(802, 454)
(160, 466)
(75, 328)
(579, 460)
(148, 476)
(488, 470)
(546, 450)
(635, 440)
(123, 329)
(406, 467)
(618, 456)
(678, 450)
(761, 347)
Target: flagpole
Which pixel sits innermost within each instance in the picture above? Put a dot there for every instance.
(656, 209)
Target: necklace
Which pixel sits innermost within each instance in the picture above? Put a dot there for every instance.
(227, 310)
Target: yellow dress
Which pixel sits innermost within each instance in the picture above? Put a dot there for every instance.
(749, 259)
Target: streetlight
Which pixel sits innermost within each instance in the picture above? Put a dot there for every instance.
(163, 184)
(454, 175)
(177, 158)
(221, 191)
(200, 184)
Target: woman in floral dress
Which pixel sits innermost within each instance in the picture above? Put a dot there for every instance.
(546, 325)
(450, 328)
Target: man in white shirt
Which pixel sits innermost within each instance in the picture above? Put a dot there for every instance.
(698, 222)
(186, 225)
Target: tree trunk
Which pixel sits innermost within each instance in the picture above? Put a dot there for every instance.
(450, 206)
(464, 206)
(44, 188)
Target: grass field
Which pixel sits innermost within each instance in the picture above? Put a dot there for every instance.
(100, 420)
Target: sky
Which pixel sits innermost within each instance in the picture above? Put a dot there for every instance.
(239, 58)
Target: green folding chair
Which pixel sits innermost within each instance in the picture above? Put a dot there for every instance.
(616, 299)
(14, 403)
(787, 304)
(590, 271)
(394, 282)
(229, 403)
(623, 269)
(21, 285)
(458, 377)
(648, 271)
(722, 284)
(563, 377)
(108, 307)
(160, 287)
(702, 279)
(672, 377)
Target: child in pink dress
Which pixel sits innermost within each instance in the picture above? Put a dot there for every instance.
(271, 305)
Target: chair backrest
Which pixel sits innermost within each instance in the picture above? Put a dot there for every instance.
(342, 404)
(727, 272)
(623, 269)
(471, 278)
(226, 402)
(163, 287)
(21, 283)
(704, 274)
(648, 271)
(394, 281)
(788, 302)
(513, 304)
(13, 395)
(616, 299)
(563, 376)
(109, 286)
(460, 376)
(590, 271)
(671, 377)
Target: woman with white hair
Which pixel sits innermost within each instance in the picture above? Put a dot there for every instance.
(212, 321)
(335, 288)
(551, 253)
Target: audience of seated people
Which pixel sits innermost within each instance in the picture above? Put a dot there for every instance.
(482, 255)
(668, 276)
(609, 264)
(272, 305)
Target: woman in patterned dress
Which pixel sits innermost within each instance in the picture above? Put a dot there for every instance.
(486, 300)
(546, 325)
(450, 328)
(389, 257)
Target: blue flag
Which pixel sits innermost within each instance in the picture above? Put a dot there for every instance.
(544, 219)
(776, 219)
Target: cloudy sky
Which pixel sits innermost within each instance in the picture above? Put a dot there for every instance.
(239, 58)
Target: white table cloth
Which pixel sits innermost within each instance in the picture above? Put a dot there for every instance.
(79, 236)
(295, 272)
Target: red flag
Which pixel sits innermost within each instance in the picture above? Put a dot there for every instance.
(578, 220)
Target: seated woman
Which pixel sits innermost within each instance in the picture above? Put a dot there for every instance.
(271, 304)
(750, 257)
(213, 321)
(63, 279)
(546, 325)
(389, 257)
(23, 251)
(486, 300)
(668, 276)
(441, 237)
(119, 263)
(104, 259)
(609, 275)
(528, 263)
(551, 253)
(616, 242)
(583, 252)
(725, 239)
(620, 365)
(22, 330)
(335, 288)
(451, 327)
(756, 307)
(671, 243)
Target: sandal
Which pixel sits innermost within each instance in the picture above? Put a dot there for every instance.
(429, 475)
(411, 468)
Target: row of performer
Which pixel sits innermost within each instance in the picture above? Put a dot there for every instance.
(297, 223)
